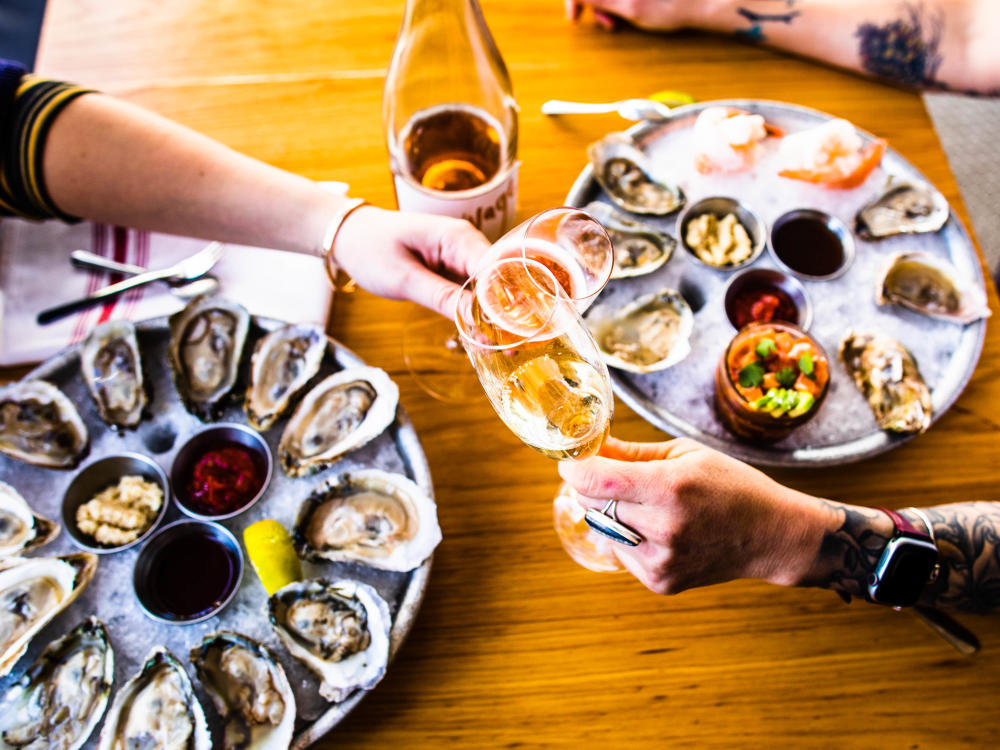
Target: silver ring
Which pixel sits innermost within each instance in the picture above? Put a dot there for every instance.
(606, 523)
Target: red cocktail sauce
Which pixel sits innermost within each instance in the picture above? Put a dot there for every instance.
(762, 305)
(224, 480)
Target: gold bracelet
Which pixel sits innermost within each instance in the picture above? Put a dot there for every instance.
(330, 235)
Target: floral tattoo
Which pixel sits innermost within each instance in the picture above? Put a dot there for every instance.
(905, 50)
(848, 555)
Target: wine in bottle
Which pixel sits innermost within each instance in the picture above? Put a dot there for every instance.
(451, 118)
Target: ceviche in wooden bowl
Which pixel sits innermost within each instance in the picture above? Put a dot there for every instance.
(772, 378)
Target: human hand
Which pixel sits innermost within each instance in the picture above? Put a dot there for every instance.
(653, 15)
(706, 518)
(409, 255)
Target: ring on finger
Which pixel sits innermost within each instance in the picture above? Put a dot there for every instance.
(606, 523)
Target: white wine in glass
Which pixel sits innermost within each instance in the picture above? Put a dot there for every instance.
(535, 358)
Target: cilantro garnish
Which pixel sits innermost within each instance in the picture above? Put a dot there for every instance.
(786, 376)
(765, 347)
(806, 364)
(752, 375)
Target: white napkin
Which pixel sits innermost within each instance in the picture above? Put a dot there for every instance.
(35, 273)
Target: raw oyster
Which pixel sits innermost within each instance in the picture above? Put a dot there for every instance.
(626, 176)
(112, 370)
(283, 362)
(928, 284)
(157, 708)
(206, 342)
(339, 629)
(370, 516)
(32, 592)
(38, 424)
(249, 689)
(888, 377)
(341, 413)
(639, 248)
(20, 529)
(903, 208)
(650, 333)
(60, 699)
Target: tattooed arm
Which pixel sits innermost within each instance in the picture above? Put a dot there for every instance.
(968, 542)
(918, 43)
(708, 518)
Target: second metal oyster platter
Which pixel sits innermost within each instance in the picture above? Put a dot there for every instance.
(184, 658)
(680, 398)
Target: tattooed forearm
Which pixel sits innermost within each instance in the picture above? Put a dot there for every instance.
(905, 50)
(968, 542)
(757, 19)
(849, 553)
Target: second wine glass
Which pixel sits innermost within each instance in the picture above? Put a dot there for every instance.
(546, 379)
(570, 243)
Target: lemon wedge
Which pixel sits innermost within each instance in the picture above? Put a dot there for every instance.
(672, 98)
(272, 554)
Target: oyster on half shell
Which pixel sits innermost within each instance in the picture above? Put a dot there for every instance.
(249, 689)
(902, 208)
(639, 248)
(339, 629)
(157, 708)
(39, 425)
(21, 529)
(888, 377)
(650, 333)
(206, 342)
(60, 699)
(929, 285)
(342, 412)
(370, 516)
(282, 363)
(112, 370)
(32, 592)
(628, 178)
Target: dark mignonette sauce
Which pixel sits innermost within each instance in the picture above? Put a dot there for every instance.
(807, 245)
(191, 575)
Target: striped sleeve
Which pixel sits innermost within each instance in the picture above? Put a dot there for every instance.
(25, 120)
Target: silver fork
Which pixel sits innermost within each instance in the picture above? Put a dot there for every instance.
(188, 269)
(179, 288)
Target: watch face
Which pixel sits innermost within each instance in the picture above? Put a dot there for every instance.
(903, 570)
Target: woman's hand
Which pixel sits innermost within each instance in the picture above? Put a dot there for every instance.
(706, 518)
(654, 15)
(410, 256)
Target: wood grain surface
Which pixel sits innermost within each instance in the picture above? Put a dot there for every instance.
(515, 645)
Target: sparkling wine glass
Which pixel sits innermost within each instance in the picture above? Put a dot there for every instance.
(569, 242)
(539, 366)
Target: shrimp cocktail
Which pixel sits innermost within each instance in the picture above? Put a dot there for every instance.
(771, 379)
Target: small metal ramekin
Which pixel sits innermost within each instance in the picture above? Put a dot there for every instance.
(755, 278)
(99, 475)
(198, 445)
(720, 206)
(142, 572)
(832, 223)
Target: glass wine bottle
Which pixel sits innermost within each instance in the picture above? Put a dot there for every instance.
(450, 117)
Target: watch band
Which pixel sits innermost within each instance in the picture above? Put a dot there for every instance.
(904, 527)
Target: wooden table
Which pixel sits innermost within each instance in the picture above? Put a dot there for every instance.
(515, 645)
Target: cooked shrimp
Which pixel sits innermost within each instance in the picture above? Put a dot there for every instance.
(831, 154)
(726, 139)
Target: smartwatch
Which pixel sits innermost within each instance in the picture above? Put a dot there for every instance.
(908, 562)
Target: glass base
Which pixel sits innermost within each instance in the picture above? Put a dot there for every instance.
(587, 548)
(436, 360)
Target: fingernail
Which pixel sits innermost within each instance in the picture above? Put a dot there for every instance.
(605, 20)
